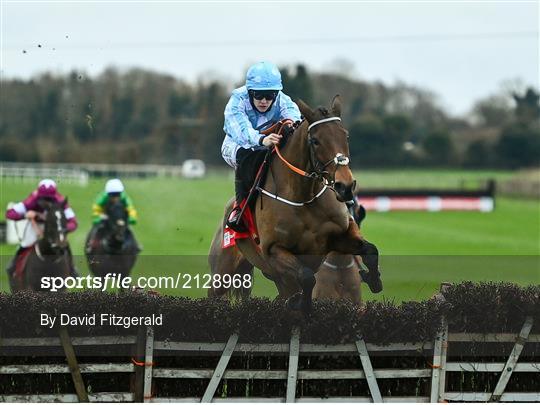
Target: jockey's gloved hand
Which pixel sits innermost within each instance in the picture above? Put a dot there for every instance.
(103, 217)
(270, 139)
(31, 214)
(286, 131)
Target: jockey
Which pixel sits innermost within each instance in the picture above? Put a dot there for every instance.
(259, 102)
(114, 189)
(29, 209)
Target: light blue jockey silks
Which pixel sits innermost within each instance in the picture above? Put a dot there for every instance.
(263, 76)
(241, 119)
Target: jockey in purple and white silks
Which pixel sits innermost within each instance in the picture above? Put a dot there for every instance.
(261, 101)
(30, 208)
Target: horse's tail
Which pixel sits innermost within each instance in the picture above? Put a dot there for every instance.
(229, 262)
(244, 291)
(213, 257)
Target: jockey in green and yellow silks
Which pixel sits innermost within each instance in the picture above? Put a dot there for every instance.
(112, 201)
(113, 189)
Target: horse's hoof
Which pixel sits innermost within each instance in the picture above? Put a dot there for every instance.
(294, 303)
(373, 280)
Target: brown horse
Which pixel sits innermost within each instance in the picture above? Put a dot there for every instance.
(49, 257)
(300, 212)
(338, 277)
(110, 246)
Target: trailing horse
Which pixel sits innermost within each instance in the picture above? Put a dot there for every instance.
(49, 257)
(110, 246)
(300, 213)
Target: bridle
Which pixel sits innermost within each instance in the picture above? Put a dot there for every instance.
(53, 244)
(319, 169)
(116, 225)
(339, 160)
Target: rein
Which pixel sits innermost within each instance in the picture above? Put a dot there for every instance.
(42, 258)
(276, 149)
(37, 229)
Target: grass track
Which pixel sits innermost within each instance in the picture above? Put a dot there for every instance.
(419, 250)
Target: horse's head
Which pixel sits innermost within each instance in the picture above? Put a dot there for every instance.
(55, 231)
(117, 219)
(329, 147)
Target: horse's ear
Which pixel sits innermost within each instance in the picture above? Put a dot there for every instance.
(65, 203)
(306, 110)
(336, 105)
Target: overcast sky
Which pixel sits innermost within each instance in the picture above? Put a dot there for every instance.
(461, 50)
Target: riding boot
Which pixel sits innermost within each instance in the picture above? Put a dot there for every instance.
(235, 221)
(10, 269)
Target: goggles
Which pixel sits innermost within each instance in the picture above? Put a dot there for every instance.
(267, 94)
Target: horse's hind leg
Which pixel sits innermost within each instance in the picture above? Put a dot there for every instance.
(230, 262)
(227, 261)
(244, 268)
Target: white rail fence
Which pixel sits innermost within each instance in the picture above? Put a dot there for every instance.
(30, 173)
(79, 173)
(148, 375)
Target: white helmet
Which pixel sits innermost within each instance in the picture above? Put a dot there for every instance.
(114, 186)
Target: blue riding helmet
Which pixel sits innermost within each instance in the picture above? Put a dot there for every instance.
(263, 76)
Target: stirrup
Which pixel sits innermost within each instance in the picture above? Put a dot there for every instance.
(234, 221)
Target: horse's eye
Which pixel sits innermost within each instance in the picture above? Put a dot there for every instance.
(314, 141)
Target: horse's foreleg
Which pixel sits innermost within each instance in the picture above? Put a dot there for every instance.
(350, 279)
(295, 277)
(328, 283)
(353, 243)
